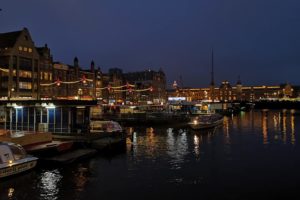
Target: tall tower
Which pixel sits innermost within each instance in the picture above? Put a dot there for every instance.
(212, 82)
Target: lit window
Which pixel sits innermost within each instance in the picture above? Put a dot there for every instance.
(29, 50)
(25, 85)
(25, 74)
(20, 48)
(25, 49)
(45, 75)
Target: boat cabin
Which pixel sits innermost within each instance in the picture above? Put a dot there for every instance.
(10, 152)
(14, 160)
(99, 126)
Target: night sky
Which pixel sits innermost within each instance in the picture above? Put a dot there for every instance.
(256, 39)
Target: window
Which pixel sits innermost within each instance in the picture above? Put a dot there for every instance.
(25, 74)
(25, 85)
(4, 84)
(25, 49)
(25, 62)
(29, 50)
(20, 48)
(45, 75)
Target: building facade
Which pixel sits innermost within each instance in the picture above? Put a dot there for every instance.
(143, 80)
(20, 66)
(28, 72)
(227, 93)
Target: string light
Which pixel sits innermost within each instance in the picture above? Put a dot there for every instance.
(4, 70)
(84, 80)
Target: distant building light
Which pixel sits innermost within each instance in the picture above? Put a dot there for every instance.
(17, 106)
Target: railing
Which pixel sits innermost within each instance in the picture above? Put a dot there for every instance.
(39, 127)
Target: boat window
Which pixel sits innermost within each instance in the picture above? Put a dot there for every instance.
(98, 126)
(17, 151)
(1, 162)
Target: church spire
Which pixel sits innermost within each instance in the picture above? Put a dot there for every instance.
(212, 83)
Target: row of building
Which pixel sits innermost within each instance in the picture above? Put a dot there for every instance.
(29, 72)
(228, 93)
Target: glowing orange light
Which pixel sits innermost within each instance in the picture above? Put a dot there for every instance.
(83, 79)
(58, 82)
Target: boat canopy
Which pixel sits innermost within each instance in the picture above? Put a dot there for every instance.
(10, 152)
(104, 126)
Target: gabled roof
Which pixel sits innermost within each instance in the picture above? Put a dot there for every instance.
(9, 39)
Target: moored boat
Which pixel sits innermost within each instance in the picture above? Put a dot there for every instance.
(36, 142)
(105, 126)
(49, 148)
(112, 132)
(205, 121)
(14, 160)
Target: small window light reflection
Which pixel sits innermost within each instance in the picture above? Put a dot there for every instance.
(10, 192)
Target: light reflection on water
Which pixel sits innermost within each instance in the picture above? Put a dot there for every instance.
(249, 151)
(177, 148)
(49, 184)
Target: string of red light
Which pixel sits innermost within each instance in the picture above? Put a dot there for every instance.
(84, 80)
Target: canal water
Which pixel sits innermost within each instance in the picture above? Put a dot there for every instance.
(252, 155)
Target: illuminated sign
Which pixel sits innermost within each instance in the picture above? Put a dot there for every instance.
(176, 98)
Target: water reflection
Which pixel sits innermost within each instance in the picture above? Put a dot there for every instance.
(49, 184)
(284, 137)
(80, 178)
(226, 130)
(293, 138)
(10, 192)
(158, 158)
(276, 121)
(177, 148)
(197, 146)
(265, 128)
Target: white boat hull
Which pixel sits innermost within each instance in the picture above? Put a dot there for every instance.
(17, 167)
(205, 125)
